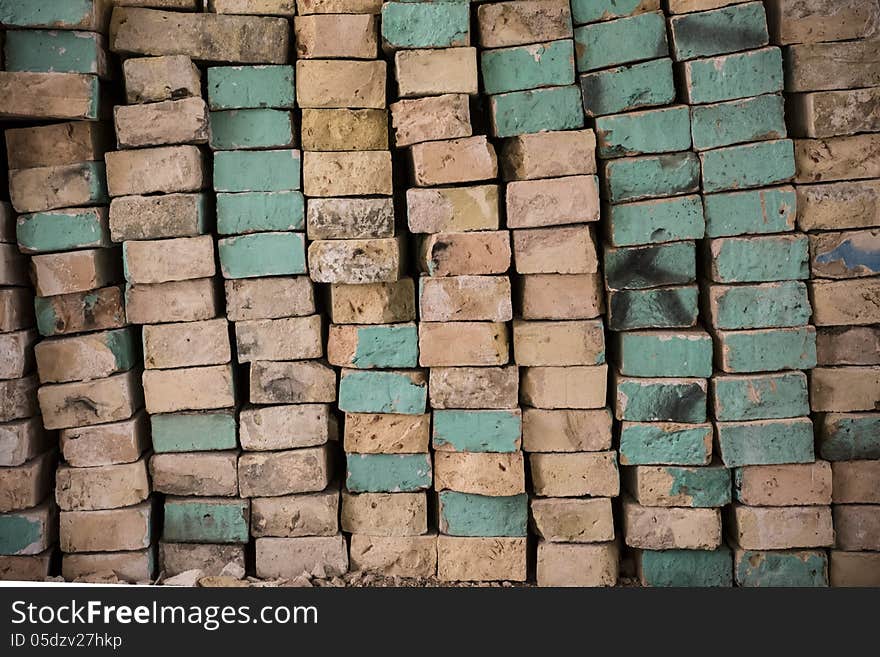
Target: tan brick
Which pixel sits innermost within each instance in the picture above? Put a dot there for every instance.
(27, 567)
(186, 344)
(38, 96)
(819, 66)
(84, 357)
(386, 433)
(354, 173)
(384, 514)
(856, 482)
(195, 473)
(558, 343)
(157, 124)
(26, 485)
(353, 36)
(784, 485)
(356, 262)
(134, 567)
(452, 209)
(166, 169)
(395, 556)
(291, 338)
(17, 398)
(321, 556)
(106, 444)
(811, 21)
(344, 129)
(560, 296)
(834, 113)
(834, 206)
(299, 382)
(310, 514)
(103, 487)
(179, 301)
(57, 144)
(552, 201)
(430, 119)
(338, 7)
(848, 345)
(781, 528)
(114, 398)
(17, 353)
(54, 187)
(106, 530)
(548, 155)
(157, 217)
(470, 159)
(477, 559)
(567, 520)
(373, 303)
(266, 474)
(259, 7)
(74, 271)
(156, 79)
(13, 265)
(837, 158)
(447, 344)
(575, 474)
(845, 389)
(434, 72)
(161, 261)
(854, 568)
(465, 254)
(210, 558)
(480, 473)
(579, 387)
(656, 528)
(566, 430)
(16, 308)
(522, 22)
(22, 440)
(826, 260)
(263, 428)
(465, 298)
(333, 83)
(563, 250)
(561, 564)
(688, 6)
(474, 387)
(189, 389)
(269, 298)
(350, 218)
(847, 302)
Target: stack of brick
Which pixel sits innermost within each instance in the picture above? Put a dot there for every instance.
(832, 80)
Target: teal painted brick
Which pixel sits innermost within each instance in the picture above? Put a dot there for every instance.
(700, 487)
(382, 392)
(849, 436)
(477, 431)
(651, 176)
(626, 88)
(759, 259)
(194, 432)
(671, 307)
(728, 77)
(251, 87)
(621, 41)
(538, 110)
(262, 254)
(63, 230)
(765, 442)
(738, 121)
(124, 347)
(686, 568)
(386, 345)
(655, 265)
(748, 165)
(760, 396)
(548, 64)
(206, 520)
(257, 171)
(656, 221)
(767, 305)
(591, 11)
(781, 568)
(52, 51)
(660, 400)
(22, 532)
(46, 13)
(426, 25)
(750, 212)
(250, 212)
(725, 30)
(664, 130)
(665, 443)
(251, 128)
(464, 514)
(767, 350)
(388, 473)
(664, 353)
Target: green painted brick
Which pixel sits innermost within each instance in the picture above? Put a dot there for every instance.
(262, 254)
(748, 165)
(849, 436)
(765, 442)
(700, 487)
(655, 265)
(46, 13)
(754, 211)
(651, 176)
(725, 30)
(465, 514)
(591, 11)
(426, 25)
(387, 473)
(760, 396)
(251, 128)
(548, 64)
(656, 221)
(728, 77)
(759, 259)
(477, 431)
(124, 346)
(20, 534)
(381, 392)
(660, 400)
(672, 307)
(664, 130)
(664, 353)
(388, 345)
(767, 305)
(665, 443)
(249, 212)
(50, 51)
(686, 568)
(257, 171)
(767, 350)
(251, 87)
(194, 432)
(206, 520)
(738, 121)
(536, 110)
(63, 230)
(626, 88)
(781, 568)
(621, 41)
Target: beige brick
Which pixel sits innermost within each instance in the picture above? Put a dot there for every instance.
(561, 564)
(373, 303)
(430, 119)
(560, 296)
(344, 129)
(480, 473)
(106, 444)
(784, 485)
(114, 398)
(264, 428)
(195, 473)
(845, 389)
(575, 474)
(16, 308)
(304, 7)
(54, 187)
(166, 169)
(267, 474)
(320, 556)
(848, 302)
(17, 398)
(39, 96)
(74, 271)
(656, 528)
(522, 22)
(395, 556)
(354, 173)
(210, 558)
(434, 72)
(812, 21)
(384, 514)
(558, 343)
(310, 514)
(156, 79)
(22, 440)
(566, 430)
(552, 201)
(688, 6)
(854, 568)
(179, 301)
(161, 261)
(856, 482)
(299, 382)
(465, 298)
(106, 530)
(156, 217)
(189, 389)
(568, 520)
(27, 567)
(548, 155)
(465, 254)
(269, 298)
(356, 262)
(350, 218)
(447, 344)
(353, 36)
(834, 113)
(386, 433)
(26, 485)
(259, 7)
(333, 83)
(474, 387)
(452, 209)
(103, 487)
(57, 144)
(834, 206)
(157, 124)
(478, 559)
(781, 528)
(17, 353)
(186, 344)
(819, 66)
(134, 567)
(84, 357)
(469, 159)
(577, 387)
(563, 250)
(848, 345)
(837, 158)
(291, 338)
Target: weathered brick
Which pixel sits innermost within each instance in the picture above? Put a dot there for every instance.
(655, 265)
(27, 485)
(467, 558)
(271, 7)
(74, 271)
(575, 474)
(78, 404)
(627, 88)
(546, 64)
(194, 431)
(257, 171)
(17, 311)
(474, 387)
(837, 158)
(728, 77)
(251, 128)
(845, 254)
(780, 528)
(522, 22)
(552, 201)
(766, 350)
(480, 473)
(17, 399)
(582, 565)
(63, 230)
(89, 356)
(388, 473)
(402, 556)
(846, 302)
(429, 119)
(156, 217)
(189, 389)
(548, 155)
(691, 568)
(356, 261)
(161, 261)
(781, 568)
(332, 83)
(564, 387)
(350, 218)
(663, 130)
(178, 301)
(425, 25)
(369, 347)
(344, 129)
(29, 531)
(656, 528)
(738, 121)
(477, 430)
(765, 305)
(742, 26)
(567, 520)
(165, 169)
(400, 391)
(156, 79)
(810, 21)
(205, 520)
(845, 389)
(269, 298)
(373, 303)
(63, 186)
(560, 296)
(560, 250)
(666, 307)
(352, 173)
(749, 165)
(433, 72)
(854, 568)
(659, 399)
(765, 442)
(688, 6)
(307, 514)
(621, 41)
(857, 526)
(89, 15)
(465, 254)
(664, 353)
(104, 487)
(655, 221)
(186, 344)
(157, 124)
(665, 443)
(465, 298)
(839, 205)
(74, 313)
(452, 209)
(591, 11)
(267, 474)
(464, 514)
(757, 259)
(384, 514)
(835, 113)
(195, 473)
(784, 485)
(338, 7)
(848, 345)
(251, 212)
(558, 343)
(265, 428)
(57, 144)
(566, 430)
(536, 110)
(289, 338)
(262, 254)
(386, 433)
(60, 96)
(820, 66)
(354, 36)
(759, 397)
(855, 482)
(679, 486)
(106, 444)
(469, 159)
(650, 176)
(21, 440)
(17, 351)
(133, 567)
(447, 344)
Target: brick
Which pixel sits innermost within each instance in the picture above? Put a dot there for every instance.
(845, 254)
(182, 121)
(17, 399)
(166, 169)
(157, 79)
(742, 26)
(656, 528)
(559, 250)
(350, 218)
(640, 267)
(206, 520)
(178, 301)
(784, 485)
(558, 343)
(679, 486)
(820, 66)
(356, 261)
(691, 568)
(133, 567)
(373, 303)
(481, 559)
(353, 36)
(536, 110)
(21, 440)
(757, 259)
(205, 36)
(384, 433)
(403, 391)
(546, 64)
(401, 556)
(249, 87)
(251, 129)
(591, 11)
(857, 527)
(848, 302)
(27, 485)
(659, 399)
(429, 119)
(566, 430)
(621, 41)
(74, 271)
(835, 206)
(156, 217)
(548, 155)
(765, 442)
(264, 428)
(309, 514)
(552, 201)
(759, 397)
(664, 353)
(582, 565)
(663, 130)
(779, 528)
(74, 313)
(560, 296)
(565, 387)
(766, 350)
(523, 22)
(63, 186)
(837, 158)
(480, 473)
(384, 514)
(750, 165)
(16, 309)
(57, 144)
(271, 7)
(194, 431)
(13, 264)
(251, 212)
(27, 567)
(835, 113)
(269, 298)
(477, 430)
(465, 298)
(737, 121)
(186, 344)
(369, 347)
(104, 487)
(354, 173)
(29, 531)
(433, 72)
(469, 159)
(815, 21)
(848, 345)
(106, 444)
(766, 305)
(89, 15)
(463, 514)
(778, 568)
(63, 230)
(575, 474)
(655, 221)
(729, 77)
(855, 482)
(161, 261)
(332, 83)
(106, 530)
(77, 404)
(83, 357)
(452, 209)
(210, 558)
(425, 25)
(668, 307)
(626, 88)
(854, 568)
(189, 389)
(474, 387)
(845, 389)
(448, 344)
(465, 254)
(344, 129)
(289, 338)
(262, 254)
(387, 473)
(257, 171)
(650, 176)
(566, 520)
(665, 443)
(60, 96)
(17, 350)
(267, 474)
(338, 7)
